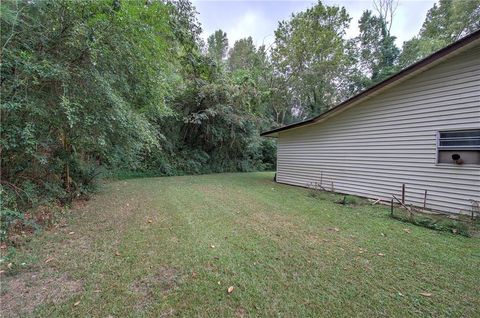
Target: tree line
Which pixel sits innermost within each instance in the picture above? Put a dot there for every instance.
(109, 87)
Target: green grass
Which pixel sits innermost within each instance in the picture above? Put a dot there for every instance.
(145, 247)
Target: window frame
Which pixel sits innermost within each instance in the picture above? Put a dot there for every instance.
(439, 148)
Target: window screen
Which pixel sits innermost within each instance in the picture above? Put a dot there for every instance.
(460, 139)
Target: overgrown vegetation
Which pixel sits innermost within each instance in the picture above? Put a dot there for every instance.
(458, 224)
(112, 87)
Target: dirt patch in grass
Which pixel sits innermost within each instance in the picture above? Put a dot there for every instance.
(240, 312)
(165, 280)
(24, 292)
(167, 313)
(80, 203)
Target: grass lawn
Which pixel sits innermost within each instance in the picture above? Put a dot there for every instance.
(172, 246)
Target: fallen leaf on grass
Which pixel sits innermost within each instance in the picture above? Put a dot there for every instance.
(426, 294)
(230, 289)
(150, 221)
(71, 233)
(117, 254)
(194, 274)
(48, 260)
(333, 229)
(77, 303)
(381, 254)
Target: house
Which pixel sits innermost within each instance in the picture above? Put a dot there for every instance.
(419, 128)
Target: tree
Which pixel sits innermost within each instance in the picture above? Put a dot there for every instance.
(378, 53)
(310, 58)
(386, 10)
(218, 45)
(445, 23)
(451, 20)
(243, 55)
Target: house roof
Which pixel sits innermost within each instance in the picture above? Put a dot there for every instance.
(414, 69)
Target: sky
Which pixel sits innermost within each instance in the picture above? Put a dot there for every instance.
(259, 18)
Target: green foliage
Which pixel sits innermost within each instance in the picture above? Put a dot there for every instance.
(10, 212)
(446, 22)
(463, 226)
(219, 124)
(378, 53)
(217, 45)
(8, 217)
(244, 55)
(450, 20)
(350, 200)
(310, 53)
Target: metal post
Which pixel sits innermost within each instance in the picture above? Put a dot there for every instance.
(425, 200)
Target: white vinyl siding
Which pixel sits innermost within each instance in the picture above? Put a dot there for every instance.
(374, 147)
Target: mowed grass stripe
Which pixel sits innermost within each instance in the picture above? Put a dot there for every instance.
(172, 246)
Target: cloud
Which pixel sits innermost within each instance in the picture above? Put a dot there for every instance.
(259, 19)
(250, 23)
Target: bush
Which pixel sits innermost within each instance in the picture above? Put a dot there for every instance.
(8, 218)
(351, 200)
(269, 153)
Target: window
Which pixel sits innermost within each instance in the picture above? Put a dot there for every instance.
(458, 147)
